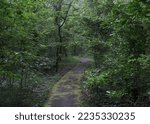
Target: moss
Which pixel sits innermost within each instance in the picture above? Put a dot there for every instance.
(68, 89)
(67, 83)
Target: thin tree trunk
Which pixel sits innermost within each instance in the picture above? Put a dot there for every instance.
(57, 59)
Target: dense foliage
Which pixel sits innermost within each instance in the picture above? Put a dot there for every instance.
(36, 36)
(33, 39)
(121, 54)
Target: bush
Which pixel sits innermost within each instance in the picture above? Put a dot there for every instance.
(116, 87)
(95, 88)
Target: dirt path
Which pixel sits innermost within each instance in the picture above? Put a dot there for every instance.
(67, 91)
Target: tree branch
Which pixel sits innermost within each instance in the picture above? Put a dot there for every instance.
(67, 12)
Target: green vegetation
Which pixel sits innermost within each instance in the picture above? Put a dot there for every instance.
(39, 39)
(121, 52)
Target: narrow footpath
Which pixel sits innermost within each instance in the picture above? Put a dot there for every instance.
(67, 91)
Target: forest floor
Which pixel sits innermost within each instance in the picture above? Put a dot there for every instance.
(67, 91)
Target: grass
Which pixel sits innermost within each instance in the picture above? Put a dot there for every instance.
(47, 81)
(43, 83)
(70, 61)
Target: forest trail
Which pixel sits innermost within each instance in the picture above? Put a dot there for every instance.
(67, 91)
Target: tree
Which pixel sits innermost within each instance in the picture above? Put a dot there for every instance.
(61, 9)
(123, 77)
(20, 39)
